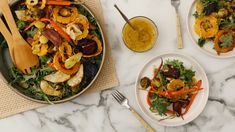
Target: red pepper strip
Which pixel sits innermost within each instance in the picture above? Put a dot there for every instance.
(192, 98)
(58, 2)
(174, 93)
(58, 29)
(148, 98)
(61, 2)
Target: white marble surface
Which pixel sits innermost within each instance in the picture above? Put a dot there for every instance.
(99, 112)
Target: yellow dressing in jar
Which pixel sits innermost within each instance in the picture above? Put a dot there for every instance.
(143, 37)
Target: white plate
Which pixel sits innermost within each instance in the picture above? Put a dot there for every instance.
(208, 47)
(199, 102)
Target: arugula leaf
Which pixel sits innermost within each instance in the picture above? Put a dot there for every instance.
(201, 42)
(20, 24)
(185, 74)
(159, 104)
(31, 32)
(226, 40)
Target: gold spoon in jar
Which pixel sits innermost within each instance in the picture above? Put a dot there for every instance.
(124, 17)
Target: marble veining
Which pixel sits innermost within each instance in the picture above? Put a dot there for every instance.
(99, 112)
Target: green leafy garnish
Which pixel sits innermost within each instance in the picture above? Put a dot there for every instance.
(185, 74)
(159, 103)
(31, 32)
(21, 24)
(226, 40)
(201, 42)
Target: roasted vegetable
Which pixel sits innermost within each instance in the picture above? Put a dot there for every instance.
(39, 49)
(224, 41)
(65, 15)
(93, 47)
(177, 107)
(170, 71)
(49, 90)
(71, 61)
(90, 70)
(57, 28)
(78, 29)
(58, 65)
(53, 36)
(57, 77)
(206, 27)
(65, 50)
(145, 82)
(175, 84)
(76, 79)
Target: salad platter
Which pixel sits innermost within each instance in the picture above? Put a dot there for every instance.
(69, 43)
(211, 27)
(172, 89)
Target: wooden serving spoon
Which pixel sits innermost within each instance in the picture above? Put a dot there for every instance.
(21, 51)
(7, 35)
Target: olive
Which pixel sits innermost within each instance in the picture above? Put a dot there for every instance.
(177, 106)
(145, 82)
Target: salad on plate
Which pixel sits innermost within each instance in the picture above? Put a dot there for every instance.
(215, 22)
(172, 89)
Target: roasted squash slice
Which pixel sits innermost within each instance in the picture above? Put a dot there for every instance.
(78, 29)
(60, 67)
(219, 49)
(175, 84)
(65, 49)
(206, 27)
(65, 15)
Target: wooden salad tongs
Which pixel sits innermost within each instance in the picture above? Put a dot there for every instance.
(20, 50)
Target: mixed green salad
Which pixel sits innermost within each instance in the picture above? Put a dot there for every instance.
(68, 42)
(172, 89)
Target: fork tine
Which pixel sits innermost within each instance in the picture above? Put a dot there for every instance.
(122, 96)
(118, 95)
(114, 95)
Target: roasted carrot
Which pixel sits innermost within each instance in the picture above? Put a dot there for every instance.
(199, 83)
(174, 93)
(60, 2)
(58, 29)
(192, 98)
(148, 99)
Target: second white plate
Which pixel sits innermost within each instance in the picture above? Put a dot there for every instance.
(208, 47)
(197, 106)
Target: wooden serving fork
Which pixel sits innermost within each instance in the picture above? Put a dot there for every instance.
(20, 50)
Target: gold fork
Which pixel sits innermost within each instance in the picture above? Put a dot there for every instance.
(21, 51)
(175, 4)
(124, 102)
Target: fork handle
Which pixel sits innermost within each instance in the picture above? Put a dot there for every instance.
(142, 121)
(179, 33)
